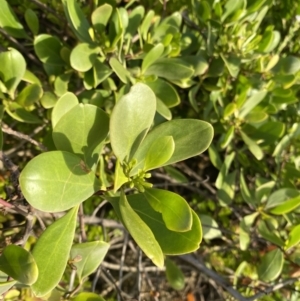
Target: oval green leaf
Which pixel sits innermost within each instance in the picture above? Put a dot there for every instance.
(174, 275)
(51, 252)
(29, 95)
(19, 264)
(159, 152)
(48, 49)
(100, 17)
(173, 69)
(191, 137)
(140, 232)
(65, 103)
(271, 266)
(171, 242)
(175, 211)
(82, 131)
(294, 238)
(91, 254)
(131, 119)
(9, 21)
(57, 181)
(287, 206)
(154, 54)
(32, 21)
(83, 57)
(13, 67)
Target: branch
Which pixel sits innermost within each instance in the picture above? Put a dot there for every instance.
(213, 275)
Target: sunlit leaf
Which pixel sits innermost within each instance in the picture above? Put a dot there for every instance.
(174, 275)
(130, 121)
(51, 252)
(19, 264)
(57, 181)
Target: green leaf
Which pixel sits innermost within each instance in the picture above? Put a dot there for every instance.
(246, 193)
(131, 119)
(214, 157)
(191, 137)
(140, 232)
(159, 152)
(253, 146)
(5, 286)
(83, 57)
(100, 17)
(165, 92)
(1, 139)
(287, 206)
(48, 100)
(64, 104)
(227, 138)
(19, 264)
(271, 266)
(13, 68)
(231, 7)
(32, 21)
(270, 41)
(120, 71)
(174, 275)
(116, 28)
(135, 18)
(269, 234)
(100, 71)
(48, 48)
(280, 196)
(153, 55)
(144, 28)
(252, 102)
(29, 77)
(233, 64)
(19, 113)
(174, 209)
(51, 252)
(171, 242)
(210, 227)
(88, 257)
(61, 84)
(294, 238)
(77, 20)
(85, 296)
(57, 181)
(173, 69)
(10, 23)
(163, 110)
(29, 95)
(290, 64)
(84, 137)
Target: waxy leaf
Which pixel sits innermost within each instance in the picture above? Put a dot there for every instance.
(65, 103)
(119, 69)
(131, 119)
(271, 265)
(77, 20)
(175, 211)
(191, 137)
(287, 206)
(165, 92)
(48, 48)
(171, 242)
(159, 152)
(154, 54)
(174, 275)
(210, 227)
(56, 181)
(173, 69)
(280, 196)
(82, 131)
(51, 252)
(83, 57)
(9, 21)
(29, 95)
(120, 177)
(100, 17)
(19, 113)
(88, 257)
(13, 68)
(252, 102)
(269, 234)
(140, 232)
(294, 238)
(32, 21)
(19, 264)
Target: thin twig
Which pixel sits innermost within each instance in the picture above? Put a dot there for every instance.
(81, 223)
(21, 47)
(6, 129)
(213, 275)
(139, 273)
(124, 248)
